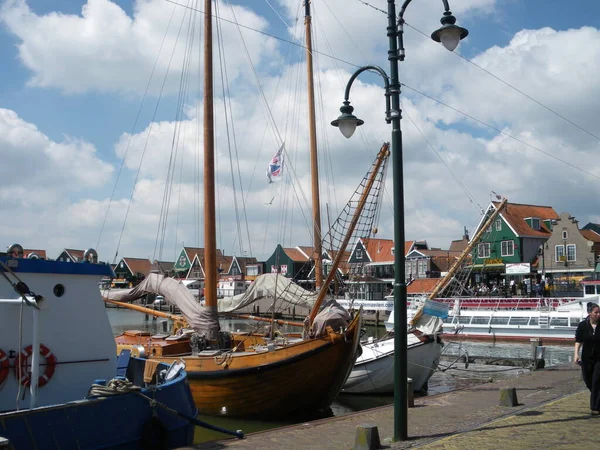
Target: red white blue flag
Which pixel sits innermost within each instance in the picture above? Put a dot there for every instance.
(275, 170)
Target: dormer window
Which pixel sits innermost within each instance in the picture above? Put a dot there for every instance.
(393, 251)
(535, 223)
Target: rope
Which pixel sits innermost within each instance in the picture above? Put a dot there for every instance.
(120, 386)
(116, 386)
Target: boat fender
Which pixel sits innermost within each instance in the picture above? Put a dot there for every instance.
(4, 366)
(155, 435)
(15, 251)
(24, 376)
(90, 255)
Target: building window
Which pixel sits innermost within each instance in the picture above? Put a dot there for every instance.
(508, 248)
(483, 250)
(393, 250)
(422, 268)
(498, 225)
(571, 252)
(535, 223)
(565, 235)
(359, 253)
(559, 253)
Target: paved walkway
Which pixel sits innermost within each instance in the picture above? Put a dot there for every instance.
(553, 413)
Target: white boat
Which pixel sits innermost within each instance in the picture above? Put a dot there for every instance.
(511, 319)
(61, 383)
(373, 372)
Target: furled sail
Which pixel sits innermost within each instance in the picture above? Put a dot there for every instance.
(270, 285)
(202, 319)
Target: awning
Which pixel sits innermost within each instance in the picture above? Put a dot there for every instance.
(488, 267)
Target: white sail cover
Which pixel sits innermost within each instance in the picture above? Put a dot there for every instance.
(270, 285)
(203, 319)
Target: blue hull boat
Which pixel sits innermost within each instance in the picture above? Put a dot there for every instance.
(61, 383)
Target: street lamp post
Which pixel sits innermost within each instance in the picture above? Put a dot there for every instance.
(449, 35)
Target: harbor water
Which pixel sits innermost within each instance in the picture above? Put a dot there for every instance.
(452, 374)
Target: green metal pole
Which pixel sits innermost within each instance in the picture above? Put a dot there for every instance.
(400, 350)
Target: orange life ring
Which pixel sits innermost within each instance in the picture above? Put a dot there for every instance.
(4, 366)
(24, 376)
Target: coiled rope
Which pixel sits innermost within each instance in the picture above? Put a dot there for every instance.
(120, 386)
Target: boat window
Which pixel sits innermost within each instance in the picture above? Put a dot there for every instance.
(463, 319)
(533, 321)
(499, 321)
(589, 290)
(480, 320)
(574, 321)
(448, 319)
(518, 321)
(559, 322)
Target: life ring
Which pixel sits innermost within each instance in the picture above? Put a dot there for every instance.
(24, 376)
(4, 366)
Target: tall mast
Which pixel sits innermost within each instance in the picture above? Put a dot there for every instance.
(314, 162)
(210, 239)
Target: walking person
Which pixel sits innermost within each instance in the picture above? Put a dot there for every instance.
(587, 338)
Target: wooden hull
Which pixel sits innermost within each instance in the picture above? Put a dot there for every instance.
(281, 381)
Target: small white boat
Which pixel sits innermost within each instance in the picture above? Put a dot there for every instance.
(373, 372)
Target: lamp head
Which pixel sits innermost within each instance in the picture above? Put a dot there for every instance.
(449, 34)
(347, 122)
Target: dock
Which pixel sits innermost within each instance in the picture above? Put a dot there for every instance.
(552, 409)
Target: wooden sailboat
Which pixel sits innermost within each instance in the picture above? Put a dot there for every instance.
(254, 376)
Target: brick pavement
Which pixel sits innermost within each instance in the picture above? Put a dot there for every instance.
(552, 413)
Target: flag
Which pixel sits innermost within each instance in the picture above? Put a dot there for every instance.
(275, 170)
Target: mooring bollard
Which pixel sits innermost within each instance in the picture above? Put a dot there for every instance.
(537, 353)
(367, 437)
(410, 393)
(508, 397)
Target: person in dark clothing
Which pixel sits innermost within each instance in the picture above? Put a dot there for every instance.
(587, 338)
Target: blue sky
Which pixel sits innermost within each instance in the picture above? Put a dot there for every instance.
(73, 82)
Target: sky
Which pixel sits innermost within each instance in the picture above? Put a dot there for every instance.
(101, 115)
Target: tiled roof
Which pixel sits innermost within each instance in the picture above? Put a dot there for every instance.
(422, 286)
(193, 251)
(516, 213)
(443, 263)
(380, 250)
(138, 265)
(295, 255)
(308, 250)
(245, 261)
(28, 252)
(459, 245)
(75, 254)
(590, 235)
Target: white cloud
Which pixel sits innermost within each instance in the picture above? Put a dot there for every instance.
(119, 52)
(115, 49)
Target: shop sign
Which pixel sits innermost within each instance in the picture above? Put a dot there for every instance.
(518, 269)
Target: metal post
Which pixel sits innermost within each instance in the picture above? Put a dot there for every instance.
(400, 320)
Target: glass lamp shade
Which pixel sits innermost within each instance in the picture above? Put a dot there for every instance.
(450, 37)
(347, 127)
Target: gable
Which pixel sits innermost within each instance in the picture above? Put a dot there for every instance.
(519, 217)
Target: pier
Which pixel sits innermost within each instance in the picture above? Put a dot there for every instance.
(552, 406)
